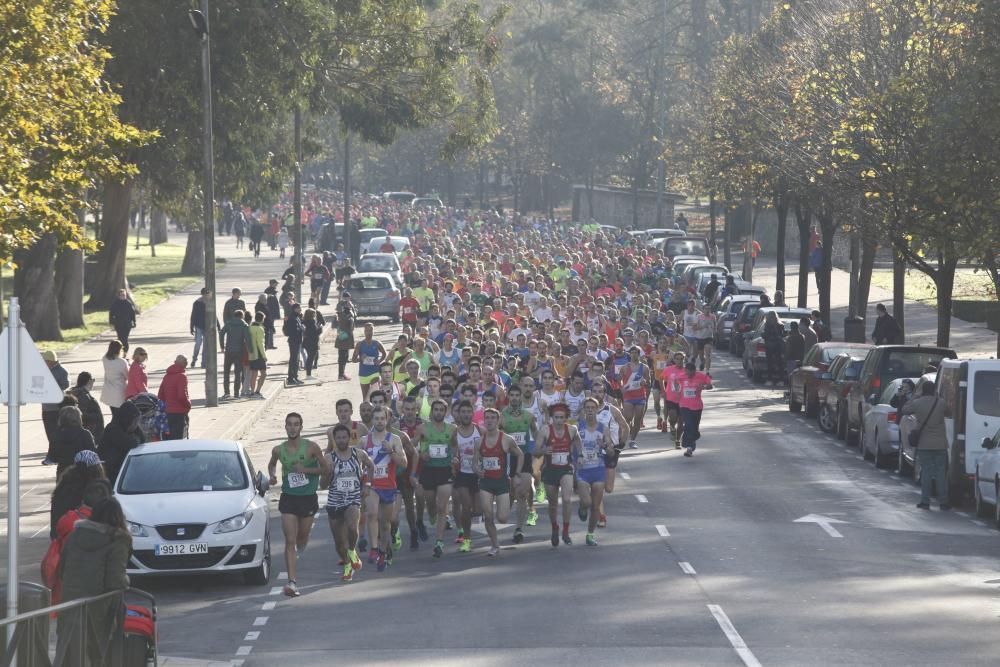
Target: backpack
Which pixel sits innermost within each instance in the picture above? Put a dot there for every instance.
(50, 562)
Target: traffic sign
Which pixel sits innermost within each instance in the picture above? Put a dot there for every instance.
(37, 383)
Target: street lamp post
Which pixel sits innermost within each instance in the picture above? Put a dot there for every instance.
(199, 19)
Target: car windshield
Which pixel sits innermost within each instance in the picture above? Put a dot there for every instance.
(909, 363)
(674, 247)
(369, 283)
(182, 472)
(376, 264)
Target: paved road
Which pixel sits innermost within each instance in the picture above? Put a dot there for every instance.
(702, 563)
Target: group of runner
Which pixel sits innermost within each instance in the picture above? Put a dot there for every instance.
(527, 358)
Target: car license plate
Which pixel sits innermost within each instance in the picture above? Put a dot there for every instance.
(181, 549)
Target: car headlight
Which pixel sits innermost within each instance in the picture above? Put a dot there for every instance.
(137, 529)
(234, 523)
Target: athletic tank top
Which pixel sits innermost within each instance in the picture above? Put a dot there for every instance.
(368, 354)
(592, 454)
(345, 481)
(606, 419)
(452, 359)
(466, 450)
(575, 403)
(550, 399)
(436, 443)
(385, 466)
(560, 446)
(297, 483)
(518, 427)
(632, 388)
(410, 431)
(536, 410)
(493, 459)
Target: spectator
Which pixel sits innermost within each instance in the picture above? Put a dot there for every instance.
(93, 562)
(808, 334)
(258, 355)
(273, 314)
(816, 262)
(931, 446)
(233, 304)
(310, 340)
(819, 327)
(256, 236)
(50, 411)
(137, 379)
(887, 331)
(198, 324)
(282, 241)
(174, 394)
(122, 317)
(121, 435)
(294, 330)
(69, 490)
(235, 341)
(95, 491)
(779, 299)
(347, 314)
(245, 359)
(903, 395)
(795, 348)
(115, 376)
(93, 416)
(71, 438)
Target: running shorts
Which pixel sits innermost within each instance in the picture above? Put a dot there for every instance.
(467, 480)
(432, 477)
(497, 487)
(552, 476)
(592, 475)
(301, 506)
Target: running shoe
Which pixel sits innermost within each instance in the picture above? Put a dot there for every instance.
(518, 536)
(388, 557)
(591, 540)
(438, 548)
(540, 494)
(363, 544)
(448, 524)
(532, 518)
(422, 531)
(659, 424)
(632, 444)
(493, 552)
(355, 561)
(380, 562)
(677, 444)
(688, 452)
(372, 555)
(466, 546)
(461, 536)
(348, 574)
(397, 540)
(602, 521)
(414, 541)
(566, 538)
(555, 536)
(582, 513)
(291, 589)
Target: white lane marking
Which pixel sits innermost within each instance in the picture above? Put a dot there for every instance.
(276, 590)
(252, 636)
(733, 636)
(662, 530)
(641, 498)
(268, 606)
(686, 568)
(282, 576)
(979, 523)
(883, 471)
(859, 457)
(823, 522)
(965, 514)
(259, 621)
(236, 663)
(39, 531)
(625, 475)
(244, 650)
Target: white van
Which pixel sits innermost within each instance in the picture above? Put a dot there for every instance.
(970, 390)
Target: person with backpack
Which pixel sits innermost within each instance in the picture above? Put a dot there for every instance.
(95, 490)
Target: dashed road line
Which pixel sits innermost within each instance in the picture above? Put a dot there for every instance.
(252, 636)
(260, 621)
(686, 568)
(276, 590)
(625, 475)
(641, 498)
(733, 636)
(244, 650)
(662, 530)
(268, 606)
(282, 576)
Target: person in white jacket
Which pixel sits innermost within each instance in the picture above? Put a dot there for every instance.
(115, 377)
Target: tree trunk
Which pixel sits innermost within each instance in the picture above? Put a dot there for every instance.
(803, 220)
(899, 289)
(450, 180)
(109, 269)
(727, 251)
(194, 254)
(158, 227)
(944, 280)
(711, 221)
(827, 229)
(869, 248)
(781, 208)
(69, 284)
(35, 286)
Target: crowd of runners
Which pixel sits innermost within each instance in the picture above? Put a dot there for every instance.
(528, 354)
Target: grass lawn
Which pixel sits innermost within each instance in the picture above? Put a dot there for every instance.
(969, 284)
(153, 279)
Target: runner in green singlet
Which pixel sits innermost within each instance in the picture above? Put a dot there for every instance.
(438, 457)
(520, 425)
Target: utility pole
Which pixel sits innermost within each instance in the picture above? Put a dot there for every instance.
(661, 169)
(347, 195)
(199, 19)
(297, 205)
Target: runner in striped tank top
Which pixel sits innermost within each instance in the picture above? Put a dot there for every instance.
(490, 464)
(350, 467)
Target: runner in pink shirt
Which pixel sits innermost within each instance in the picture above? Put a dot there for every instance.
(671, 376)
(690, 386)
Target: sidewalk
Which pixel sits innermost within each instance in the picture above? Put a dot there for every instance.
(967, 339)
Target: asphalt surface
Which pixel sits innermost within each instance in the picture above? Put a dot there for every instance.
(702, 563)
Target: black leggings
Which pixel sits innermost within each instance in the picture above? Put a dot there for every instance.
(342, 356)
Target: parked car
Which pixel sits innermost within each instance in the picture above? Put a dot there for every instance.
(683, 263)
(741, 326)
(745, 289)
(879, 435)
(802, 381)
(399, 197)
(654, 237)
(883, 364)
(832, 389)
(375, 295)
(693, 274)
(382, 262)
(195, 506)
(427, 202)
(987, 479)
(399, 244)
(726, 314)
(755, 352)
(685, 245)
(761, 314)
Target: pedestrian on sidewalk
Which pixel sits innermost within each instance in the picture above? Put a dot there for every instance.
(328, 262)
(294, 330)
(93, 493)
(273, 314)
(93, 416)
(50, 411)
(121, 436)
(795, 348)
(70, 439)
(115, 376)
(809, 336)
(816, 263)
(235, 342)
(287, 297)
(931, 445)
(233, 304)
(347, 315)
(198, 324)
(69, 491)
(246, 387)
(174, 394)
(779, 299)
(282, 241)
(138, 381)
(122, 317)
(256, 236)
(310, 340)
(887, 331)
(258, 354)
(819, 327)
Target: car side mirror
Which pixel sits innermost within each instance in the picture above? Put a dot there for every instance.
(988, 443)
(262, 484)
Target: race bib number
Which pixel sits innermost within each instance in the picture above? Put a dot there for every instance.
(661, 364)
(491, 463)
(297, 480)
(560, 458)
(690, 393)
(347, 485)
(590, 456)
(466, 465)
(438, 451)
(368, 361)
(381, 470)
(518, 438)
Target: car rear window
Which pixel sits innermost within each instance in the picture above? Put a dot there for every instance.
(674, 247)
(376, 264)
(375, 282)
(986, 396)
(908, 363)
(829, 353)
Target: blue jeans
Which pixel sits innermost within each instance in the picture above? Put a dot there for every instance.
(199, 337)
(692, 421)
(933, 466)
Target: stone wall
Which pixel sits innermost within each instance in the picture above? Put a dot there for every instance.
(613, 206)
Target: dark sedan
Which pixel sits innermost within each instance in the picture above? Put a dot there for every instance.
(803, 380)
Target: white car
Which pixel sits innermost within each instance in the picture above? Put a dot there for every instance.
(399, 244)
(988, 480)
(195, 506)
(879, 435)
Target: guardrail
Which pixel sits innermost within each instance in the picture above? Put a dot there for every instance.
(29, 646)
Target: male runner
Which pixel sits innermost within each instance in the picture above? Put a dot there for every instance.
(349, 483)
(533, 405)
(491, 465)
(612, 418)
(465, 441)
(559, 445)
(591, 472)
(386, 452)
(413, 499)
(302, 463)
(437, 456)
(520, 425)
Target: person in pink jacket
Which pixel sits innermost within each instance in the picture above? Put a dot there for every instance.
(174, 394)
(138, 382)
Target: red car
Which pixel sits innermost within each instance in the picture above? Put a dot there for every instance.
(802, 382)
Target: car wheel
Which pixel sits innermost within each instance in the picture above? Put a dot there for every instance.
(841, 425)
(877, 454)
(261, 575)
(812, 407)
(825, 419)
(982, 510)
(758, 376)
(863, 442)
